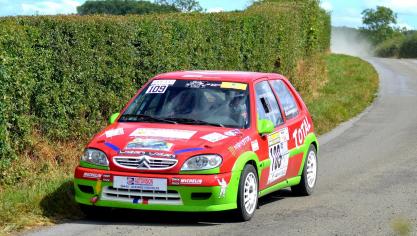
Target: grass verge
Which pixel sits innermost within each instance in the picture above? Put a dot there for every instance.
(39, 190)
(351, 87)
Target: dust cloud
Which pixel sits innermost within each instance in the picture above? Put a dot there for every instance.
(349, 41)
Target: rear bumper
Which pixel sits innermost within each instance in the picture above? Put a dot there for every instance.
(188, 193)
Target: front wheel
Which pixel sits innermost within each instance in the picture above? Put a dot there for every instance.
(247, 198)
(309, 175)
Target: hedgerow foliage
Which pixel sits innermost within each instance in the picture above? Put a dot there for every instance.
(62, 76)
(402, 46)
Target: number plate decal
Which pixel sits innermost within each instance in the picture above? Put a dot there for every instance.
(139, 183)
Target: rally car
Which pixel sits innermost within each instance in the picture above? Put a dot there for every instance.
(199, 141)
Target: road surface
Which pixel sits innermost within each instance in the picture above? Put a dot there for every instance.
(367, 180)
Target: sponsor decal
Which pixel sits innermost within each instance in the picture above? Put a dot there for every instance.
(232, 133)
(230, 85)
(242, 143)
(255, 145)
(179, 181)
(201, 84)
(114, 132)
(107, 178)
(143, 153)
(175, 181)
(240, 146)
(214, 137)
(191, 181)
(279, 154)
(163, 133)
(223, 187)
(300, 133)
(140, 183)
(149, 144)
(159, 86)
(91, 175)
(232, 150)
(163, 82)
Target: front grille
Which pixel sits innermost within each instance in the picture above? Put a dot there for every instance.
(145, 163)
(170, 197)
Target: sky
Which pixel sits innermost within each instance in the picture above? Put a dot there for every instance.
(344, 12)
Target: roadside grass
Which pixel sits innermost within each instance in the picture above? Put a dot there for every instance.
(401, 226)
(38, 190)
(351, 86)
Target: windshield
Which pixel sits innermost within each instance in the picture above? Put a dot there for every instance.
(214, 103)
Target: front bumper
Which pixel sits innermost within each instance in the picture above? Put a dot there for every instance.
(187, 193)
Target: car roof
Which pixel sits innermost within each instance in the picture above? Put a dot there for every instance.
(232, 76)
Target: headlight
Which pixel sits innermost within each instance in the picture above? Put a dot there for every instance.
(95, 157)
(202, 162)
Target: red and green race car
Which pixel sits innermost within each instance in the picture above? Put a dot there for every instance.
(201, 141)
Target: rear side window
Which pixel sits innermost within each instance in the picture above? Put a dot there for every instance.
(286, 98)
(266, 103)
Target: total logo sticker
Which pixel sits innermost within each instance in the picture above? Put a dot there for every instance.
(300, 133)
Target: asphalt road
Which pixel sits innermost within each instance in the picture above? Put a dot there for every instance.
(367, 180)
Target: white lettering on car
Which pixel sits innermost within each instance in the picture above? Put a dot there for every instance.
(92, 175)
(300, 133)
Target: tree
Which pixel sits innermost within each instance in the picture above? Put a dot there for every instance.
(379, 24)
(123, 7)
(182, 5)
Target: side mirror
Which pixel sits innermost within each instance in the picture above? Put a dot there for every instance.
(265, 127)
(113, 118)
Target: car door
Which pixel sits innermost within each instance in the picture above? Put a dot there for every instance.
(294, 118)
(267, 107)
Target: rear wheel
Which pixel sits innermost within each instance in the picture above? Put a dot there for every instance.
(309, 175)
(247, 199)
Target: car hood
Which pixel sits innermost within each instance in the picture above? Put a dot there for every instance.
(162, 140)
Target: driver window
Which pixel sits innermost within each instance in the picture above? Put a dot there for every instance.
(266, 103)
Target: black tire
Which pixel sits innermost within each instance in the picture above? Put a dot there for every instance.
(303, 188)
(242, 213)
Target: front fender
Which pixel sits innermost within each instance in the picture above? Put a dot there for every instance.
(244, 158)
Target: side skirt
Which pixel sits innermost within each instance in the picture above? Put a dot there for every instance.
(286, 183)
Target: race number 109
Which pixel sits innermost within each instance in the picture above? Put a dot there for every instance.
(157, 89)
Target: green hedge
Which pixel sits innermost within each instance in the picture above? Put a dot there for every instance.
(409, 47)
(401, 46)
(390, 47)
(62, 76)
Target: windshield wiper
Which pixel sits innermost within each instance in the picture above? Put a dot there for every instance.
(140, 117)
(194, 121)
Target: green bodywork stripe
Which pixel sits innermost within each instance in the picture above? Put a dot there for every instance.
(286, 183)
(92, 166)
(201, 172)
